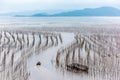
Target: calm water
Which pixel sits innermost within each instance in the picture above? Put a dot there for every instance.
(60, 21)
(48, 69)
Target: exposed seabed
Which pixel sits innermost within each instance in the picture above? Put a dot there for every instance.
(56, 48)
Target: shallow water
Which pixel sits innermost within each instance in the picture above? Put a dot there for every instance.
(47, 70)
(103, 46)
(59, 21)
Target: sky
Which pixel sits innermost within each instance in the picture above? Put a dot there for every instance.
(52, 6)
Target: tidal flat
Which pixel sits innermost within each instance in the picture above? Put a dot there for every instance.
(76, 52)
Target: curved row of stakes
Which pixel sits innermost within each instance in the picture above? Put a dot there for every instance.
(17, 46)
(94, 54)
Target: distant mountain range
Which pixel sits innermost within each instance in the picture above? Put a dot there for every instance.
(102, 11)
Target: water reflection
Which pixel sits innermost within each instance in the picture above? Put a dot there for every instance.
(15, 49)
(98, 52)
(29, 55)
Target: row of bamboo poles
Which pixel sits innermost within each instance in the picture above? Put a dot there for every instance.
(100, 52)
(17, 46)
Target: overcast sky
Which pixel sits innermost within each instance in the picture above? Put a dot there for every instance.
(53, 5)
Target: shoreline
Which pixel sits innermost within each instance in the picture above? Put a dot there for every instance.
(97, 30)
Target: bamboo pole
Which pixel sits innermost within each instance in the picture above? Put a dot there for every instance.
(0, 37)
(67, 57)
(60, 38)
(73, 56)
(27, 40)
(23, 38)
(19, 41)
(46, 41)
(33, 43)
(7, 38)
(58, 58)
(56, 40)
(39, 40)
(51, 37)
(13, 37)
(4, 61)
(79, 54)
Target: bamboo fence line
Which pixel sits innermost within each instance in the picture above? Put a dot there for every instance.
(17, 46)
(99, 52)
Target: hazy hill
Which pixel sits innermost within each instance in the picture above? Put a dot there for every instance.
(102, 11)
